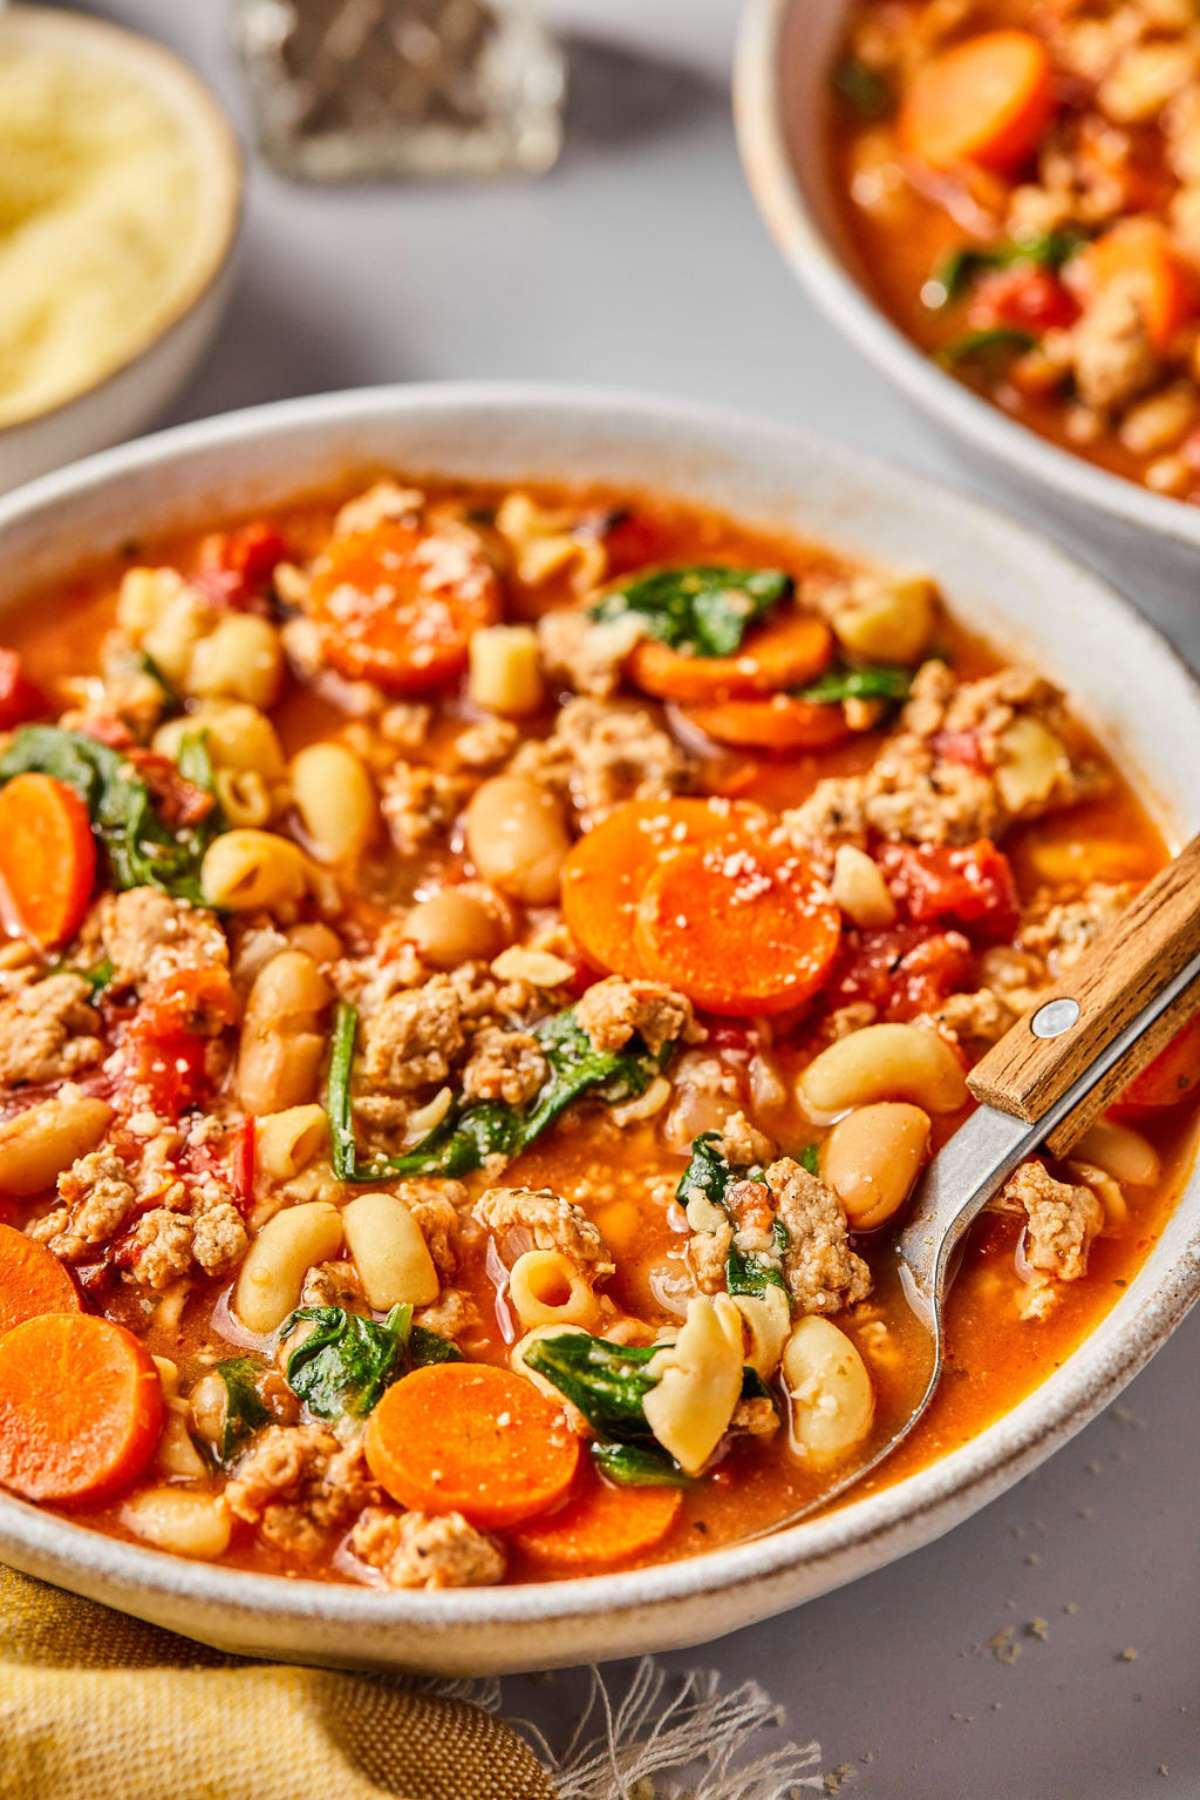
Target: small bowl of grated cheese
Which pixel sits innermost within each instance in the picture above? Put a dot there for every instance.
(120, 196)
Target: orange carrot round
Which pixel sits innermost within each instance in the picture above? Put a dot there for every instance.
(472, 1438)
(781, 723)
(32, 1281)
(605, 872)
(1174, 1075)
(394, 612)
(786, 652)
(738, 925)
(1137, 254)
(601, 1527)
(986, 100)
(81, 1408)
(47, 856)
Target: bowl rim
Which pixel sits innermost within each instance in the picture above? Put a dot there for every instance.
(216, 236)
(760, 123)
(896, 1518)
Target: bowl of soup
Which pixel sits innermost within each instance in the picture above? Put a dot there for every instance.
(482, 833)
(996, 212)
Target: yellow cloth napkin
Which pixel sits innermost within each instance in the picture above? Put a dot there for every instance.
(97, 1706)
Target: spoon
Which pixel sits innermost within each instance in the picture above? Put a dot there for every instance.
(1040, 1087)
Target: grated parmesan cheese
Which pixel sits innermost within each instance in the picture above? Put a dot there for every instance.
(98, 203)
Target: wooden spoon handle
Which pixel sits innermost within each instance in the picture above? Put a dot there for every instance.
(1153, 940)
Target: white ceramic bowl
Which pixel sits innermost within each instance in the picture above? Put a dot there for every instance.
(1026, 596)
(129, 396)
(781, 104)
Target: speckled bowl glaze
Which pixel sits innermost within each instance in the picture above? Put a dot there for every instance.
(781, 104)
(1026, 596)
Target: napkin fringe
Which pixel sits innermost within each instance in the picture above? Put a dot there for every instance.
(617, 1747)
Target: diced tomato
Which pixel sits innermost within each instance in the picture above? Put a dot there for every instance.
(901, 971)
(163, 1057)
(180, 802)
(243, 1164)
(20, 698)
(199, 1002)
(113, 732)
(1174, 1075)
(960, 747)
(236, 567)
(971, 885)
(167, 1073)
(631, 542)
(731, 1034)
(1024, 297)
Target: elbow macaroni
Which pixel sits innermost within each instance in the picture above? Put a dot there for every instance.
(545, 1288)
(248, 871)
(698, 1382)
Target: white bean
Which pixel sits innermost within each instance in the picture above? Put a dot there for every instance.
(871, 1157)
(279, 1058)
(452, 927)
(832, 1399)
(883, 1062)
(389, 1251)
(335, 799)
(176, 1519)
(278, 1259)
(1120, 1150)
(516, 837)
(38, 1144)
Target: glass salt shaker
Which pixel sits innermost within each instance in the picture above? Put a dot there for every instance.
(346, 89)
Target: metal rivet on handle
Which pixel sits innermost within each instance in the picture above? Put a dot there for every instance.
(1057, 1016)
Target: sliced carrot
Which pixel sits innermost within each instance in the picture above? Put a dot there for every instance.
(398, 606)
(1174, 1075)
(475, 1439)
(986, 100)
(1137, 254)
(601, 1527)
(32, 1281)
(605, 872)
(739, 925)
(47, 856)
(788, 651)
(780, 723)
(81, 1408)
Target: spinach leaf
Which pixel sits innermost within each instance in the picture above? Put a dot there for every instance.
(864, 90)
(746, 1271)
(469, 1135)
(244, 1409)
(703, 609)
(639, 1465)
(988, 346)
(810, 1158)
(170, 692)
(141, 849)
(607, 1382)
(347, 1361)
(957, 272)
(873, 682)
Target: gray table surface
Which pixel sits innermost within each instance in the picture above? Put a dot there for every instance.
(640, 262)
